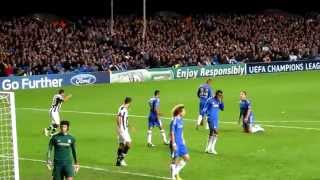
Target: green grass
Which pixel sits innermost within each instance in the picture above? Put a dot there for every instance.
(279, 153)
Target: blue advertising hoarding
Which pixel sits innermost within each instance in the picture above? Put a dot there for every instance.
(53, 80)
(283, 67)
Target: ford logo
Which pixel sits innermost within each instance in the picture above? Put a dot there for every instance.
(83, 79)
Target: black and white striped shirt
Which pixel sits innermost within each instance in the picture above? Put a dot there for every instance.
(56, 103)
(123, 115)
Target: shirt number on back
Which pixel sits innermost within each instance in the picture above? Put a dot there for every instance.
(204, 92)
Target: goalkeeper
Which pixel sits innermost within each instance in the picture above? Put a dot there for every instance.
(63, 144)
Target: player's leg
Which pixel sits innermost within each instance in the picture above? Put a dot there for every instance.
(162, 132)
(245, 126)
(173, 168)
(126, 147)
(149, 133)
(254, 128)
(68, 171)
(209, 143)
(259, 128)
(149, 138)
(120, 153)
(205, 121)
(174, 162)
(183, 152)
(55, 123)
(48, 130)
(182, 163)
(213, 136)
(57, 173)
(214, 141)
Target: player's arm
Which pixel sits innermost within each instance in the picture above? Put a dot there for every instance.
(198, 93)
(119, 130)
(158, 112)
(157, 109)
(205, 107)
(248, 112)
(221, 104)
(184, 142)
(131, 127)
(172, 137)
(240, 115)
(66, 98)
(209, 92)
(74, 155)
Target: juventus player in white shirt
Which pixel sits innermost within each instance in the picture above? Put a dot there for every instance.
(123, 132)
(57, 101)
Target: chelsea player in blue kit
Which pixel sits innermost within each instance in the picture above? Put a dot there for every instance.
(246, 115)
(179, 151)
(154, 120)
(212, 108)
(204, 92)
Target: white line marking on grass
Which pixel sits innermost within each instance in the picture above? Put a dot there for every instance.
(291, 127)
(140, 116)
(98, 169)
(289, 121)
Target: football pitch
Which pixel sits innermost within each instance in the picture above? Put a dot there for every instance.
(286, 105)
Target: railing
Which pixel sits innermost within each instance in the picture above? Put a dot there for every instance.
(141, 75)
(53, 80)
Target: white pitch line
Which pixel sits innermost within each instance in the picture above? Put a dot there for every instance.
(140, 116)
(289, 121)
(291, 127)
(99, 169)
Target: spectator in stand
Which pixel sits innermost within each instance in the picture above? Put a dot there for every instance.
(32, 47)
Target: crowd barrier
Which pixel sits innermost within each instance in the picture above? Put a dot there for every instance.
(143, 75)
(53, 80)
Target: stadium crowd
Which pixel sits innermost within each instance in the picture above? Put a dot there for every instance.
(31, 47)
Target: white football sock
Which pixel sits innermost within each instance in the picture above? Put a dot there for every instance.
(181, 164)
(173, 171)
(163, 134)
(199, 120)
(209, 144)
(149, 137)
(214, 141)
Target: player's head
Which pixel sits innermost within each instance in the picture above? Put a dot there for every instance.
(219, 93)
(64, 126)
(178, 110)
(157, 93)
(209, 81)
(243, 95)
(127, 101)
(61, 91)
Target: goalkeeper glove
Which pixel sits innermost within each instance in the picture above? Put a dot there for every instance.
(76, 168)
(49, 164)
